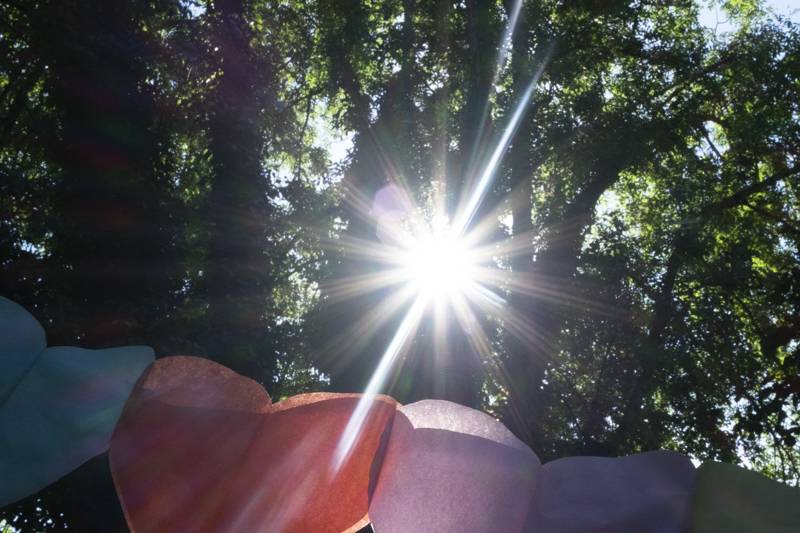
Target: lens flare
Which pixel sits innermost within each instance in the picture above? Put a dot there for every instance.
(395, 348)
(438, 265)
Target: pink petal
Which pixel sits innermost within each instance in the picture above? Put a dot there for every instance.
(449, 468)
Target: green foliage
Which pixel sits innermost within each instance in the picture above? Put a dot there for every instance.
(166, 178)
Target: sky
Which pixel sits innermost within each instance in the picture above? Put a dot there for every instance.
(713, 17)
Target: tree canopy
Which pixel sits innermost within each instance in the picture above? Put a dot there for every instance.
(201, 177)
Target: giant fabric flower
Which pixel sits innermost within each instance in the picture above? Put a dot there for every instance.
(58, 405)
(200, 448)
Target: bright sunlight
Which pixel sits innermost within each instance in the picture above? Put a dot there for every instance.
(439, 265)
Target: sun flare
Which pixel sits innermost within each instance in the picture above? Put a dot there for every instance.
(438, 265)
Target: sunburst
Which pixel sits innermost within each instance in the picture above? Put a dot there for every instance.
(433, 263)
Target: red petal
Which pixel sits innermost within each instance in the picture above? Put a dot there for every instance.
(198, 448)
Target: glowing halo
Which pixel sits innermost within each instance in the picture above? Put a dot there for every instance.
(438, 265)
(435, 263)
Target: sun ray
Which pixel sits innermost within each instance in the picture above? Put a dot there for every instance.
(367, 326)
(398, 343)
(467, 211)
(446, 267)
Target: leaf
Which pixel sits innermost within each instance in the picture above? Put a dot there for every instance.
(452, 468)
(643, 492)
(22, 339)
(730, 499)
(200, 448)
(58, 406)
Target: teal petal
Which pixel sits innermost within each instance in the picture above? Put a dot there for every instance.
(61, 410)
(21, 341)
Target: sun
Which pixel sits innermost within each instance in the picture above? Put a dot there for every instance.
(438, 265)
(442, 264)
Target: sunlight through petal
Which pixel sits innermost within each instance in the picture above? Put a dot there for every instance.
(396, 346)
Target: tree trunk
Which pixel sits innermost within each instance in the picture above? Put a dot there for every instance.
(383, 154)
(686, 238)
(463, 369)
(114, 230)
(237, 211)
(518, 349)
